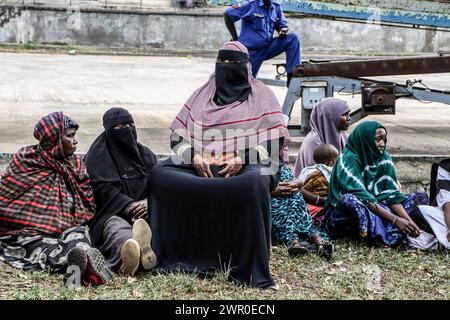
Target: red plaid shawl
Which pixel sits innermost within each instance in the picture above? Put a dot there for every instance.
(34, 187)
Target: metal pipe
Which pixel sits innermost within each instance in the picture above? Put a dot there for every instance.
(378, 67)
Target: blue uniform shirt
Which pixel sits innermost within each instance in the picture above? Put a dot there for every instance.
(257, 22)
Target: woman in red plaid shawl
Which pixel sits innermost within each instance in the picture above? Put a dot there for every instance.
(45, 200)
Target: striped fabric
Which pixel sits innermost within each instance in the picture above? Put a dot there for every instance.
(440, 183)
(317, 183)
(35, 188)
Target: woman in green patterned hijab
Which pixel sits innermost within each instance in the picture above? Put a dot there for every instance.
(364, 199)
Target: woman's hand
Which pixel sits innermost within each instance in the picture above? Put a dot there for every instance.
(399, 218)
(298, 182)
(138, 209)
(285, 188)
(399, 210)
(417, 230)
(408, 227)
(202, 166)
(399, 185)
(232, 168)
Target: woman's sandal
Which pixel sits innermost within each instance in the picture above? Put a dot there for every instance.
(296, 249)
(326, 250)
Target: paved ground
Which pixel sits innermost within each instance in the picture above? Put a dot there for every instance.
(153, 89)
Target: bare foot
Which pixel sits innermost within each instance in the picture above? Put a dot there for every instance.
(318, 239)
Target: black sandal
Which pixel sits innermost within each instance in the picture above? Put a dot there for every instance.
(326, 250)
(296, 249)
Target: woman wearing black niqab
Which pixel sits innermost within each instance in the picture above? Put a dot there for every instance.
(118, 165)
(210, 202)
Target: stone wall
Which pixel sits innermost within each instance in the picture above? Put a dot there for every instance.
(203, 30)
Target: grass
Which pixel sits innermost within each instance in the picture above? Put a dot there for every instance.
(70, 47)
(357, 272)
(27, 46)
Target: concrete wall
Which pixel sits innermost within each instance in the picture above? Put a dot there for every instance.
(199, 32)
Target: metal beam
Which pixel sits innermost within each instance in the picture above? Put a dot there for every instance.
(378, 67)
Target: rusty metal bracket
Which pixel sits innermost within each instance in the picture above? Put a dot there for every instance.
(377, 98)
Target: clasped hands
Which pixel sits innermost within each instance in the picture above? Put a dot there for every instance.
(138, 209)
(202, 166)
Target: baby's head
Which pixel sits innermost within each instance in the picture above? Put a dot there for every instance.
(326, 154)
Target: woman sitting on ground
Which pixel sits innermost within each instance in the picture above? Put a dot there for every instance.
(330, 119)
(211, 202)
(292, 224)
(291, 221)
(434, 219)
(118, 166)
(45, 200)
(364, 199)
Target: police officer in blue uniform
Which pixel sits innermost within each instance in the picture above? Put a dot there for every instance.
(259, 20)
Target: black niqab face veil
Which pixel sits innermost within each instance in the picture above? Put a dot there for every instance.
(232, 83)
(123, 143)
(116, 154)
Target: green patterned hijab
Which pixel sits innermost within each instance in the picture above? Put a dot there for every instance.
(363, 171)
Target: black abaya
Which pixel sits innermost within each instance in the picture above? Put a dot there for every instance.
(118, 166)
(205, 225)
